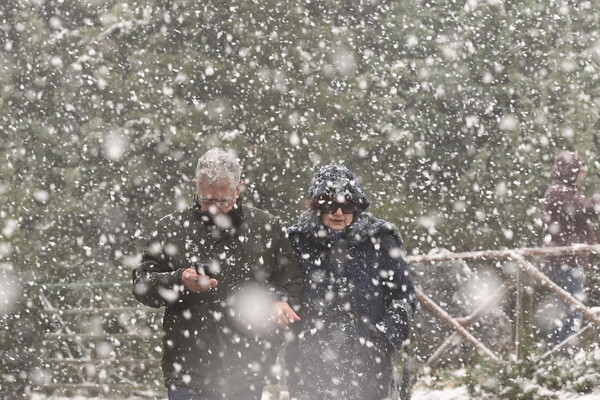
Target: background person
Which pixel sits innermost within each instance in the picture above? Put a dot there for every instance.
(222, 271)
(570, 218)
(359, 297)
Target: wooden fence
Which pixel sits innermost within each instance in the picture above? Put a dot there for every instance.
(520, 257)
(100, 341)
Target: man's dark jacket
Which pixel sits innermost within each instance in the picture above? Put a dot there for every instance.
(218, 342)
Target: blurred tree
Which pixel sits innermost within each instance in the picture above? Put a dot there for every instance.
(450, 112)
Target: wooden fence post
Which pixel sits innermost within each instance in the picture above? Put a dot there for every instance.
(522, 314)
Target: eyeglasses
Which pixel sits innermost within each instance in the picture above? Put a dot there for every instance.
(331, 207)
(220, 203)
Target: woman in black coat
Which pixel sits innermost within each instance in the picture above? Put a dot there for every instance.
(359, 297)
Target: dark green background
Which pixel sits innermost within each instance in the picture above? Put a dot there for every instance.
(450, 112)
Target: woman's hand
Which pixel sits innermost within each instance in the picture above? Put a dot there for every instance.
(283, 314)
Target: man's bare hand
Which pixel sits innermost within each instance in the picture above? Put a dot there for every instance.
(283, 314)
(197, 283)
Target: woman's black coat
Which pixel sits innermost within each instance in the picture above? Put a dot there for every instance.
(359, 299)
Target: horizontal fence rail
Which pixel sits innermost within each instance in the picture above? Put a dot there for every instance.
(113, 344)
(578, 249)
(103, 343)
(518, 256)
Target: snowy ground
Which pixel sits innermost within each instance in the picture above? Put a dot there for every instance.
(420, 393)
(460, 393)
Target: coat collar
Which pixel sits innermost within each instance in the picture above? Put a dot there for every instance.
(364, 227)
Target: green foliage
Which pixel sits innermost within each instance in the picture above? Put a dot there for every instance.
(511, 380)
(450, 112)
(535, 380)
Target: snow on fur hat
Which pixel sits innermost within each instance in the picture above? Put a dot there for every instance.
(336, 180)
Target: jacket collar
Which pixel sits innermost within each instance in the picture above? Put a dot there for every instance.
(364, 226)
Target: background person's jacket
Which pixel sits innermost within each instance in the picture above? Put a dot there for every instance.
(211, 341)
(569, 217)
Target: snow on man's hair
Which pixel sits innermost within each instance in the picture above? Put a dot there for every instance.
(218, 165)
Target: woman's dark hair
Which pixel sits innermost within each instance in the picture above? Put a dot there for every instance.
(313, 206)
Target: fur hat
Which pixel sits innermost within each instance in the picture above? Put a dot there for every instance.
(335, 180)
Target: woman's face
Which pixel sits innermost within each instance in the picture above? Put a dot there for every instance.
(336, 220)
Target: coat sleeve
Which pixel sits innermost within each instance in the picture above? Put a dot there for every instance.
(157, 280)
(400, 297)
(285, 276)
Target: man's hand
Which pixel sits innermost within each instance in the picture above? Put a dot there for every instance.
(197, 283)
(283, 314)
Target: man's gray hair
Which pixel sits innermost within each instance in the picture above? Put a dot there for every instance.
(218, 165)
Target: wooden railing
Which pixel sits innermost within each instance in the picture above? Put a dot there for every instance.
(100, 342)
(459, 325)
(111, 344)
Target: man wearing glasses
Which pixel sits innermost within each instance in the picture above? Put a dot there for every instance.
(227, 278)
